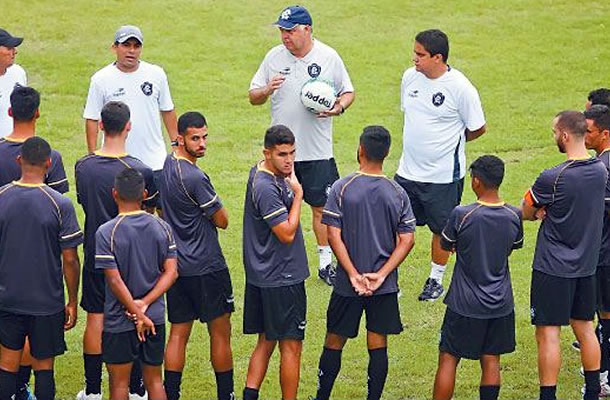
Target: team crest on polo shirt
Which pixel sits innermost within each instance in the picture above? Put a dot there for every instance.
(314, 70)
(438, 99)
(147, 88)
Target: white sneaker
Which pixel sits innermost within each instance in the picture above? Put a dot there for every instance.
(91, 396)
(135, 396)
(605, 387)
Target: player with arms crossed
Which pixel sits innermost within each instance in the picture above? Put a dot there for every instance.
(275, 304)
(137, 252)
(567, 253)
(203, 290)
(285, 69)
(371, 230)
(479, 322)
(39, 236)
(95, 175)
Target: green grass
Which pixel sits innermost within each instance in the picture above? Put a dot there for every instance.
(529, 59)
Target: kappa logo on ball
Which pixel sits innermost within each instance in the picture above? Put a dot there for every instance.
(438, 99)
(314, 70)
(147, 88)
(319, 99)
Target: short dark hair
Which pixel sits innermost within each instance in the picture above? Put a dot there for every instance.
(35, 151)
(129, 184)
(489, 170)
(435, 42)
(115, 116)
(24, 103)
(573, 122)
(277, 135)
(191, 119)
(375, 141)
(599, 96)
(600, 115)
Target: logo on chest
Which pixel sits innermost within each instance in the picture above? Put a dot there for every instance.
(314, 70)
(147, 88)
(413, 93)
(438, 99)
(119, 92)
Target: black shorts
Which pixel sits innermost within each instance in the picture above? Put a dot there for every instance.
(466, 337)
(555, 300)
(316, 177)
(46, 333)
(205, 297)
(124, 347)
(432, 202)
(345, 312)
(94, 291)
(157, 175)
(603, 288)
(278, 312)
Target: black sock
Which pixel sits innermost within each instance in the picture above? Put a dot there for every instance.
(23, 377)
(172, 384)
(548, 392)
(592, 388)
(224, 385)
(8, 384)
(489, 392)
(377, 372)
(44, 384)
(136, 383)
(328, 369)
(93, 373)
(605, 344)
(250, 394)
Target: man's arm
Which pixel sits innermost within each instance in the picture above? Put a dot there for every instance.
(336, 243)
(221, 218)
(260, 95)
(286, 231)
(528, 211)
(166, 280)
(71, 269)
(342, 103)
(404, 244)
(91, 130)
(171, 123)
(472, 135)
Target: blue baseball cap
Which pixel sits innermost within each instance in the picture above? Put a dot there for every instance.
(293, 16)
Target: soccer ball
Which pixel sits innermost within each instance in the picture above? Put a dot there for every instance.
(318, 95)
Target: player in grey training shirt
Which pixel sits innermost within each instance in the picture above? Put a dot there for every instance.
(479, 322)
(371, 230)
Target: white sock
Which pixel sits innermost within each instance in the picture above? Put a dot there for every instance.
(437, 271)
(326, 256)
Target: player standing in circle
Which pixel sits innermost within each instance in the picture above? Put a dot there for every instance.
(95, 174)
(598, 139)
(144, 88)
(275, 261)
(137, 252)
(203, 290)
(32, 300)
(11, 74)
(479, 322)
(442, 111)
(284, 70)
(567, 253)
(371, 230)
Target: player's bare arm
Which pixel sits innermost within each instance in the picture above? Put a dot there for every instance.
(166, 280)
(529, 211)
(357, 280)
(170, 120)
(342, 104)
(259, 96)
(221, 218)
(286, 231)
(91, 130)
(404, 244)
(71, 268)
(472, 135)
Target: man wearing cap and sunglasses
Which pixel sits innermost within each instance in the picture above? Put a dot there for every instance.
(281, 75)
(11, 74)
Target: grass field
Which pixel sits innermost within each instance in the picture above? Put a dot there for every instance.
(529, 60)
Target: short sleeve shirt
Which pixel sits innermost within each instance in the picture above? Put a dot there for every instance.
(483, 235)
(14, 75)
(267, 261)
(146, 92)
(36, 224)
(569, 238)
(313, 135)
(370, 210)
(137, 244)
(95, 175)
(604, 255)
(11, 171)
(436, 114)
(189, 201)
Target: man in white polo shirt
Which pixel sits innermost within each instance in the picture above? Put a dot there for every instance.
(442, 111)
(283, 72)
(11, 74)
(144, 88)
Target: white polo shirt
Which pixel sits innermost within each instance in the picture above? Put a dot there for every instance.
(146, 92)
(14, 75)
(437, 112)
(313, 135)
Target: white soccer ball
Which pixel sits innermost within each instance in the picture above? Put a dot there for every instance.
(318, 95)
